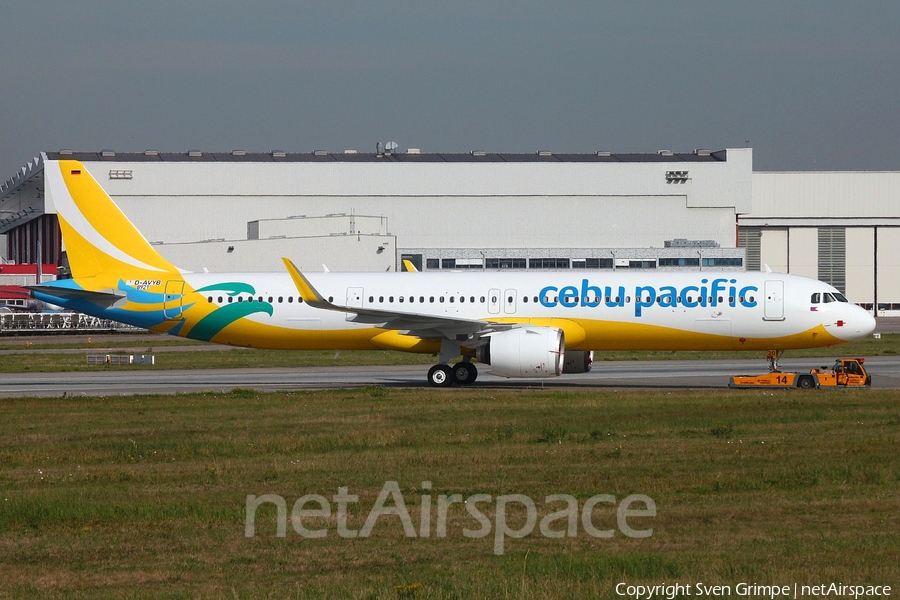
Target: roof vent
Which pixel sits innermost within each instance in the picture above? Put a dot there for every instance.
(107, 153)
(479, 153)
(278, 153)
(413, 151)
(603, 153)
(194, 153)
(239, 153)
(151, 152)
(66, 152)
(320, 153)
(544, 153)
(664, 152)
(349, 151)
(702, 152)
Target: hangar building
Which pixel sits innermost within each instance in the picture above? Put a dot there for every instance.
(368, 211)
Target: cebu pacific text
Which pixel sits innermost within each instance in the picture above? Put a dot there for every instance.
(707, 293)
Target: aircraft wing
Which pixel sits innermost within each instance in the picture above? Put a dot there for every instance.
(416, 324)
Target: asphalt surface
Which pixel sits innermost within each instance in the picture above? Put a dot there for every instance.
(699, 374)
(710, 374)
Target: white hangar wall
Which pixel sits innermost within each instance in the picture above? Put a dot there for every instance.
(492, 211)
(840, 227)
(514, 205)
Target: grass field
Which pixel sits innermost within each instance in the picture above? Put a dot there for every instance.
(145, 497)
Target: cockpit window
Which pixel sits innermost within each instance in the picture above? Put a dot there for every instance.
(828, 297)
(840, 297)
(815, 298)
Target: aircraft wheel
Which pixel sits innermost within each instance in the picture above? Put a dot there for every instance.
(464, 373)
(440, 376)
(806, 382)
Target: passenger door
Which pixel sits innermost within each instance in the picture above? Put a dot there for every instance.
(774, 301)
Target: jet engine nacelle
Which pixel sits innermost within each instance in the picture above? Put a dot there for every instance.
(525, 352)
(578, 361)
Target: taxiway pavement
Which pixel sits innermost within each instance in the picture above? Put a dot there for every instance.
(711, 374)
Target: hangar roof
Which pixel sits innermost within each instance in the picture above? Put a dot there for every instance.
(415, 156)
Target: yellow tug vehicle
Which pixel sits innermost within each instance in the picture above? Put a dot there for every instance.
(846, 372)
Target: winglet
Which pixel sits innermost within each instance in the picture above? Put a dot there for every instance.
(309, 294)
(407, 264)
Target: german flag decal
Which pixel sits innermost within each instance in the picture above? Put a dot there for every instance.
(76, 171)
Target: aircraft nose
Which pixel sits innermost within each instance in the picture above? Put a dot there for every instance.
(868, 323)
(859, 324)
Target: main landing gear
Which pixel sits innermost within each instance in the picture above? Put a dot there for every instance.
(462, 373)
(444, 374)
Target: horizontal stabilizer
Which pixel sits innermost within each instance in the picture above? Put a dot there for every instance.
(101, 299)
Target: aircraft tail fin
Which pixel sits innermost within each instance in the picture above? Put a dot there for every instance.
(102, 245)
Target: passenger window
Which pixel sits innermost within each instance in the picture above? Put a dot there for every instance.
(452, 299)
(300, 299)
(371, 299)
(330, 299)
(220, 299)
(493, 299)
(270, 299)
(472, 299)
(525, 299)
(391, 299)
(280, 298)
(462, 299)
(536, 300)
(381, 299)
(209, 300)
(240, 298)
(509, 299)
(431, 299)
(400, 299)
(412, 299)
(290, 299)
(230, 299)
(422, 299)
(441, 299)
(250, 299)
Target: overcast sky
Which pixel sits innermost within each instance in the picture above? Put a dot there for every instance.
(808, 85)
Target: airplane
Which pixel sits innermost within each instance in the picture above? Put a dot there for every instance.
(520, 324)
